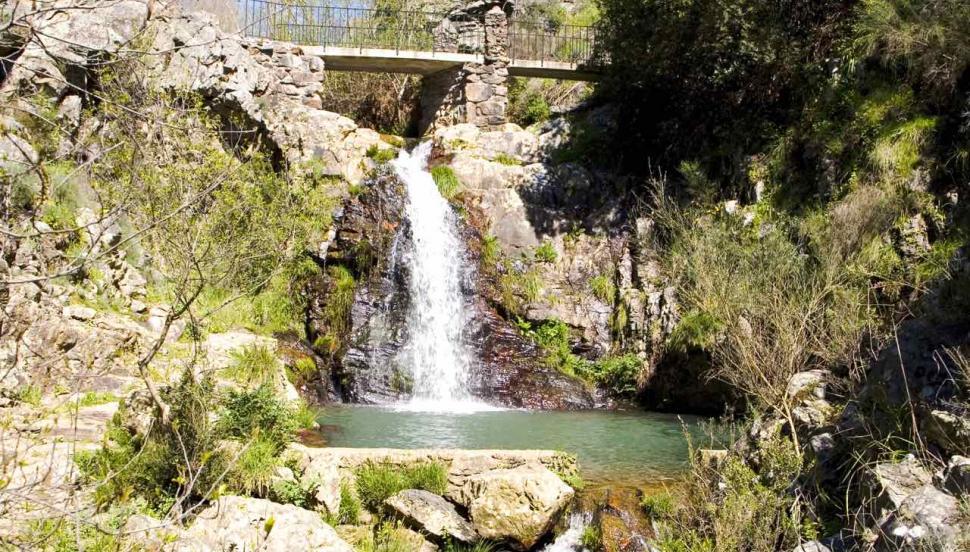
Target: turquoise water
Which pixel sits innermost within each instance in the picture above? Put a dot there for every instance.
(637, 448)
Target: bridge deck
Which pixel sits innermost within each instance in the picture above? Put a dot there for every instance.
(420, 62)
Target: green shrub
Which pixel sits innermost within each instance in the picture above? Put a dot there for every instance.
(546, 252)
(377, 482)
(257, 414)
(694, 330)
(157, 468)
(617, 374)
(253, 364)
(381, 155)
(446, 180)
(252, 472)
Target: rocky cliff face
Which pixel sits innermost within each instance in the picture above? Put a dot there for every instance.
(373, 329)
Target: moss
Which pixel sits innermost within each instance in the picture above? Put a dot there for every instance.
(695, 330)
(591, 538)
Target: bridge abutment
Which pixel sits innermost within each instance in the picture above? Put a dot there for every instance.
(475, 93)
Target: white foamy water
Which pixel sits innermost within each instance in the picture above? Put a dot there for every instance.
(570, 539)
(436, 353)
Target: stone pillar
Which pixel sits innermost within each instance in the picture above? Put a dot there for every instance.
(486, 90)
(475, 93)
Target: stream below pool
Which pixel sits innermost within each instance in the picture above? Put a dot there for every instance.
(628, 448)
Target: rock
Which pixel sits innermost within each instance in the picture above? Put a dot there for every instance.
(79, 313)
(138, 412)
(16, 155)
(949, 431)
(241, 523)
(808, 384)
(897, 481)
(138, 307)
(519, 505)
(927, 515)
(957, 479)
(912, 509)
(433, 515)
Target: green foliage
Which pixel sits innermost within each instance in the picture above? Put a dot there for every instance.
(546, 253)
(591, 538)
(658, 506)
(506, 159)
(258, 414)
(180, 458)
(377, 482)
(616, 374)
(381, 155)
(94, 398)
(303, 370)
(446, 180)
(254, 468)
(63, 535)
(491, 251)
(928, 39)
(29, 394)
(603, 288)
(337, 310)
(349, 511)
(253, 364)
(737, 507)
(694, 330)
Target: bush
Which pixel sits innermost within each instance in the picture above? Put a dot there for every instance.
(377, 482)
(736, 507)
(617, 374)
(252, 472)
(258, 414)
(446, 180)
(658, 506)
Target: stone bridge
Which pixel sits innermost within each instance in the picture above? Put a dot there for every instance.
(466, 55)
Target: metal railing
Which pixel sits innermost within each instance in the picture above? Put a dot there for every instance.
(318, 24)
(325, 25)
(537, 40)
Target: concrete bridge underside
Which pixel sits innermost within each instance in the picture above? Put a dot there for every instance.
(428, 63)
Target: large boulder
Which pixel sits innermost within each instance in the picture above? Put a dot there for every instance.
(518, 505)
(912, 508)
(240, 523)
(432, 515)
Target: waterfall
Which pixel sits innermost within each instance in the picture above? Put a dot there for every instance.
(571, 539)
(435, 354)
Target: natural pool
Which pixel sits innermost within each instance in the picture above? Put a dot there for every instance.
(626, 447)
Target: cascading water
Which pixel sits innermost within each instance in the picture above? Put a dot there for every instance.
(435, 353)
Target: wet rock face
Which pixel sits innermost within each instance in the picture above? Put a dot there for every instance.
(369, 239)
